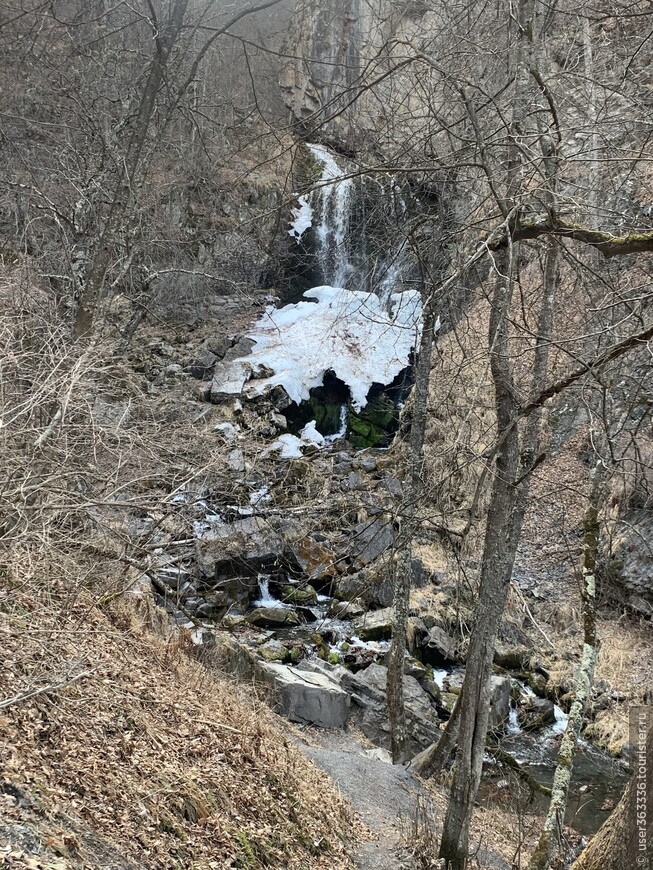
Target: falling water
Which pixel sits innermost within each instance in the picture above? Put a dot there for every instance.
(356, 228)
(342, 431)
(265, 599)
(332, 204)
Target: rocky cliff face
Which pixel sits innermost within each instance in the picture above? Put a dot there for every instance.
(346, 46)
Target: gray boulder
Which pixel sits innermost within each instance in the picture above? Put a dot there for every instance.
(368, 692)
(273, 617)
(250, 541)
(371, 586)
(500, 702)
(304, 696)
(375, 625)
(438, 648)
(372, 539)
(537, 713)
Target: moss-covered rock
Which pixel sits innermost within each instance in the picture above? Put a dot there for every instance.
(273, 617)
(274, 651)
(374, 424)
(299, 594)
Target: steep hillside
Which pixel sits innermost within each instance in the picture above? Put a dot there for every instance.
(118, 750)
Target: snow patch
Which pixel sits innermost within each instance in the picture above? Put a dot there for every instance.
(290, 446)
(310, 434)
(347, 332)
(302, 218)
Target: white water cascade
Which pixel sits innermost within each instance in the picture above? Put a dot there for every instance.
(265, 599)
(357, 228)
(332, 206)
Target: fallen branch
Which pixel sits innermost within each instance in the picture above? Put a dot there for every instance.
(51, 687)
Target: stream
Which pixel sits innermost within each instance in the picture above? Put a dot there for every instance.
(598, 780)
(256, 582)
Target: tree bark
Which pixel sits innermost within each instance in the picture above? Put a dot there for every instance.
(548, 842)
(403, 570)
(503, 520)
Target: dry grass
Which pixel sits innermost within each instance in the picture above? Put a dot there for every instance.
(159, 758)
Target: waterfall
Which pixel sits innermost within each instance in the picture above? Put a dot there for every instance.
(332, 203)
(357, 227)
(265, 599)
(342, 431)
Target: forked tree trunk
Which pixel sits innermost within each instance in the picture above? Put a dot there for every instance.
(499, 550)
(403, 568)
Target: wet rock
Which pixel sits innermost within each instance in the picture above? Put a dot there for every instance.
(241, 347)
(537, 713)
(437, 648)
(218, 345)
(273, 617)
(304, 696)
(499, 702)
(375, 625)
(298, 594)
(347, 609)
(512, 658)
(537, 682)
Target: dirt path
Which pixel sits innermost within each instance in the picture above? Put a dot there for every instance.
(383, 795)
(386, 797)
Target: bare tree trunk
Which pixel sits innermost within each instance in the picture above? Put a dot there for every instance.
(430, 761)
(507, 502)
(403, 570)
(498, 557)
(548, 843)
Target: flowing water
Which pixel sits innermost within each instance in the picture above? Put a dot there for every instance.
(332, 204)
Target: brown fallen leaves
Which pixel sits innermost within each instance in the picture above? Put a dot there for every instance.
(150, 761)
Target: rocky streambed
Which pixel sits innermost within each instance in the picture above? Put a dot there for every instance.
(306, 614)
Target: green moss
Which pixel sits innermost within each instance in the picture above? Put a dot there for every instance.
(299, 595)
(310, 169)
(373, 425)
(334, 658)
